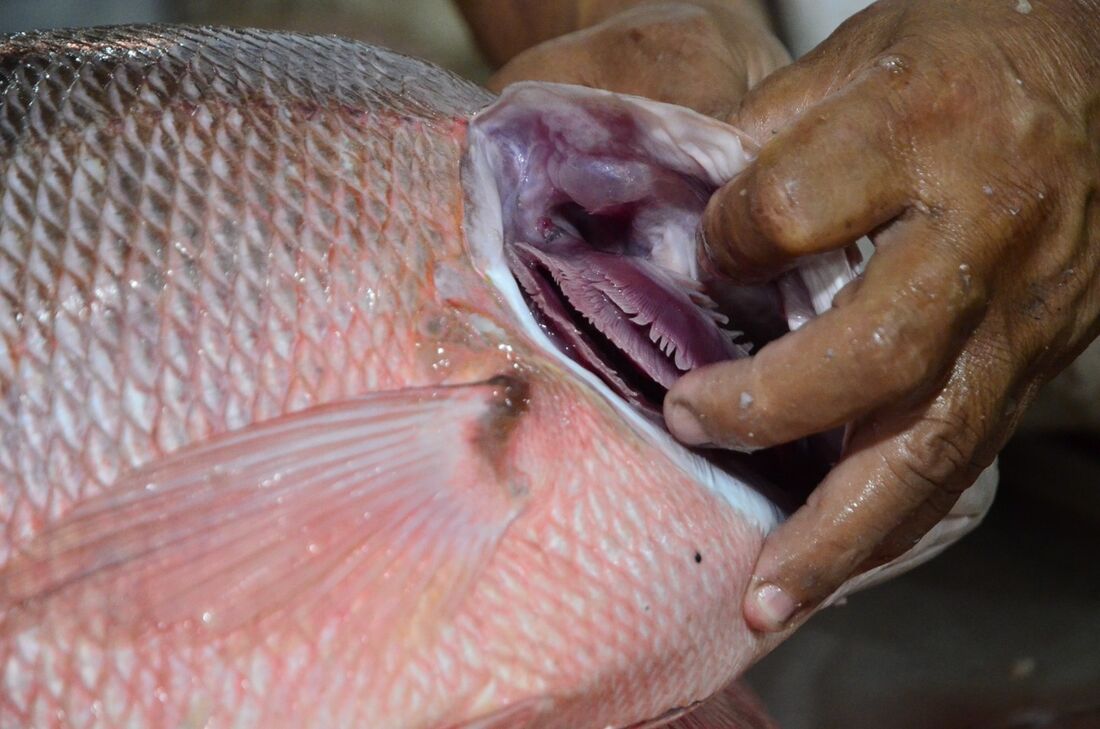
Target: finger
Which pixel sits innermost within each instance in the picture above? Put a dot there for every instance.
(832, 176)
(789, 91)
(900, 477)
(561, 61)
(675, 54)
(891, 337)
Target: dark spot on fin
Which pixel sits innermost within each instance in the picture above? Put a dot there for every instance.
(698, 558)
(508, 402)
(510, 393)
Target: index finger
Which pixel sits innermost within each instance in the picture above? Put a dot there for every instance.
(892, 338)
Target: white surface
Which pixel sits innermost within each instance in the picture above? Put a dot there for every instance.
(808, 22)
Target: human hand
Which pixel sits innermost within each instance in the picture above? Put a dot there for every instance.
(702, 54)
(964, 138)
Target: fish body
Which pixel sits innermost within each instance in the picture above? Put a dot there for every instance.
(275, 450)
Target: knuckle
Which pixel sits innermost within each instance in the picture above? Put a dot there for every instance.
(775, 213)
(916, 357)
(938, 455)
(928, 76)
(912, 471)
(913, 355)
(918, 331)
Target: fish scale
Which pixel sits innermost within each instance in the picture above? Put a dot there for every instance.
(209, 234)
(138, 226)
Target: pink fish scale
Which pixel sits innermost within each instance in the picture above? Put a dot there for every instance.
(604, 585)
(244, 268)
(201, 230)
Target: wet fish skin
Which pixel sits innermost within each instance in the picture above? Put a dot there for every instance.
(204, 231)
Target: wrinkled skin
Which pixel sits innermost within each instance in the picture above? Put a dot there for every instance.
(963, 137)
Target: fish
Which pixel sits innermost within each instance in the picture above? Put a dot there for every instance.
(329, 394)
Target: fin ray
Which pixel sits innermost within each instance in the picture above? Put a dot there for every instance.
(380, 496)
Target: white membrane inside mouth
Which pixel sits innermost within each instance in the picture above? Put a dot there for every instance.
(680, 140)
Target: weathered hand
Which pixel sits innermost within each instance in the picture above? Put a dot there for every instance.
(964, 137)
(703, 54)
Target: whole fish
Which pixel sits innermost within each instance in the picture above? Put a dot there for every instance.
(324, 406)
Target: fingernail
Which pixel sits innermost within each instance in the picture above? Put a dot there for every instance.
(685, 425)
(770, 608)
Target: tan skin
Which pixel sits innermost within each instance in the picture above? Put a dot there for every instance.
(703, 54)
(964, 137)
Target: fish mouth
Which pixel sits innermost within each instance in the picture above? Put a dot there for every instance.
(586, 210)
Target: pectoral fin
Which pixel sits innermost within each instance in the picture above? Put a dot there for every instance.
(734, 707)
(394, 501)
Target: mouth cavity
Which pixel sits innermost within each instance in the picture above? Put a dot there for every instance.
(600, 200)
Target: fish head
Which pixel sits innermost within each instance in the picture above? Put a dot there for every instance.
(583, 211)
(440, 495)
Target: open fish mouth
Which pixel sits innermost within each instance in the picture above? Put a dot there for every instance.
(585, 207)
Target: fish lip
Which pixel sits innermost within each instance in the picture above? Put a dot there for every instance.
(709, 148)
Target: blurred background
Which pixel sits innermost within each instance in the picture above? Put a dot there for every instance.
(1001, 632)
(430, 29)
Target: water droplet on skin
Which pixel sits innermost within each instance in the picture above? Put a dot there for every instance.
(746, 400)
(879, 337)
(964, 275)
(1023, 7)
(987, 189)
(893, 64)
(830, 353)
(207, 617)
(313, 548)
